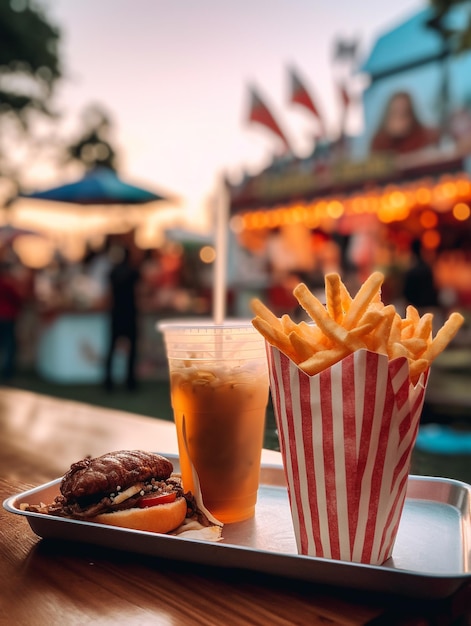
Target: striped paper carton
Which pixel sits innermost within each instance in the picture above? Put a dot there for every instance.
(346, 438)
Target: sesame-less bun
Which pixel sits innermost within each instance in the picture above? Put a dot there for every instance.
(161, 518)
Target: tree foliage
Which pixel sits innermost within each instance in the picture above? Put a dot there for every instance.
(29, 61)
(29, 69)
(94, 145)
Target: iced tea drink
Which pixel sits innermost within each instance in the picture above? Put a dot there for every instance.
(219, 396)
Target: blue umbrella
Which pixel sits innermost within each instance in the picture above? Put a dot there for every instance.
(98, 186)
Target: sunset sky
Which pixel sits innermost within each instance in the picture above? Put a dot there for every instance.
(175, 75)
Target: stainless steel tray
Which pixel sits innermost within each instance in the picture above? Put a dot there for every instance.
(431, 558)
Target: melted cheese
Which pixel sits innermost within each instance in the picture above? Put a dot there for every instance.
(127, 493)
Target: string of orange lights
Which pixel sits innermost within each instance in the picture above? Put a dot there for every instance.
(392, 203)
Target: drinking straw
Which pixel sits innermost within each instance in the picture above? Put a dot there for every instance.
(220, 273)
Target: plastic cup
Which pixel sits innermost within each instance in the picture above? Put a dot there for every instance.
(219, 392)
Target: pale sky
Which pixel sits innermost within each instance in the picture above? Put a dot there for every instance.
(174, 76)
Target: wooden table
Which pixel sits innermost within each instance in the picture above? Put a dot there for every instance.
(54, 582)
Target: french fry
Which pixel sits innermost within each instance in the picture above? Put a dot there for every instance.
(416, 368)
(412, 314)
(423, 328)
(372, 316)
(287, 324)
(379, 340)
(376, 305)
(301, 346)
(398, 350)
(322, 360)
(394, 333)
(313, 306)
(361, 332)
(333, 297)
(275, 337)
(415, 346)
(345, 297)
(309, 330)
(364, 297)
(313, 333)
(443, 337)
(261, 310)
(345, 324)
(407, 329)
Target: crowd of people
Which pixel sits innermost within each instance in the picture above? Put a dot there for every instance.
(123, 282)
(15, 290)
(116, 280)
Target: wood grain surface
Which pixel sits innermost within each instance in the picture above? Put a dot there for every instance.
(57, 582)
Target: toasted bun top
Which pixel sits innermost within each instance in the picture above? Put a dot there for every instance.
(156, 519)
(106, 473)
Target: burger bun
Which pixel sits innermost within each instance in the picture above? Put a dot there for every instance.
(161, 518)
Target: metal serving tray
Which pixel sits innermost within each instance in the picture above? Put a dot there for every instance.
(431, 558)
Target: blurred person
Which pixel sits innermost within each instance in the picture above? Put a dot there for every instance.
(123, 282)
(12, 297)
(419, 282)
(401, 130)
(392, 266)
(280, 294)
(150, 276)
(96, 267)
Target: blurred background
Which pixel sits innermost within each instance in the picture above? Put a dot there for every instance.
(333, 138)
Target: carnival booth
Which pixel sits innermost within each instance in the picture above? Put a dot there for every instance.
(358, 203)
(72, 236)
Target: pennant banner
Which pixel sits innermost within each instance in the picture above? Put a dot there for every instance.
(261, 114)
(300, 95)
(344, 96)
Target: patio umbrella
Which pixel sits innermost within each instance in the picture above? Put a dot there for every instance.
(98, 186)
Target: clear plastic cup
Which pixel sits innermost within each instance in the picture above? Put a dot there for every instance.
(219, 391)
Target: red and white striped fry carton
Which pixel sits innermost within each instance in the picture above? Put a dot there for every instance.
(346, 438)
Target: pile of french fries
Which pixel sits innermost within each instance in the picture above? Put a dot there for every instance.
(345, 324)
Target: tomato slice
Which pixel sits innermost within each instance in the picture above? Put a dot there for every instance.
(158, 498)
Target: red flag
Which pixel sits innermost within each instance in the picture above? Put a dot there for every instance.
(345, 96)
(260, 113)
(300, 95)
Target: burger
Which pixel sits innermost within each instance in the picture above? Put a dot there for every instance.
(127, 488)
